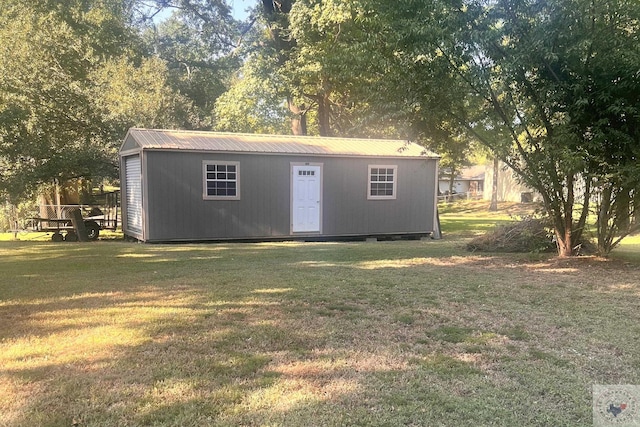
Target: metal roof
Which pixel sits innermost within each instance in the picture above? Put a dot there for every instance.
(471, 173)
(273, 144)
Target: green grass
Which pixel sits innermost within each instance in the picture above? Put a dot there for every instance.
(111, 333)
(466, 218)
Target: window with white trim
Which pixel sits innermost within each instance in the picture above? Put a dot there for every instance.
(383, 180)
(221, 180)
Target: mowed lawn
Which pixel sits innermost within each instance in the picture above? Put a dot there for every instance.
(417, 333)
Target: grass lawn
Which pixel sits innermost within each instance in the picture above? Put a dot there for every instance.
(415, 333)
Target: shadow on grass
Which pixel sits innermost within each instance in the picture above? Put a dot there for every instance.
(398, 333)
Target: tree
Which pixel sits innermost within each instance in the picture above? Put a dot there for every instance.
(279, 44)
(493, 206)
(253, 104)
(49, 126)
(572, 114)
(72, 80)
(401, 81)
(137, 95)
(316, 57)
(521, 69)
(605, 110)
(199, 42)
(318, 51)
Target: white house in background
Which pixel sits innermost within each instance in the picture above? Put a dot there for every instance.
(509, 189)
(470, 180)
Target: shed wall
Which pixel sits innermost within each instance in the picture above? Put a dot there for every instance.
(176, 209)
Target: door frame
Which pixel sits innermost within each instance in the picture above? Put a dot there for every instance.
(320, 196)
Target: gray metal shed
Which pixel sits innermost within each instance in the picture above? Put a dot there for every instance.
(197, 186)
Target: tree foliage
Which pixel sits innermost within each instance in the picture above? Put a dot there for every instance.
(562, 78)
(254, 102)
(74, 76)
(309, 54)
(530, 80)
(199, 41)
(49, 125)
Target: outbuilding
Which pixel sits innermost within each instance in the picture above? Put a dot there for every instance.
(209, 186)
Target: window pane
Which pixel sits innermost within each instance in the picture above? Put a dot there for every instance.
(382, 181)
(221, 180)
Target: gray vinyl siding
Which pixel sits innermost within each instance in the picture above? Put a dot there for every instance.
(129, 144)
(176, 210)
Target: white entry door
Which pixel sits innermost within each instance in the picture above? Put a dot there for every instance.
(306, 203)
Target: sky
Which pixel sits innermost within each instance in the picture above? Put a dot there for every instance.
(240, 8)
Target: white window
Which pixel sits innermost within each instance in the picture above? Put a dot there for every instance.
(383, 181)
(221, 180)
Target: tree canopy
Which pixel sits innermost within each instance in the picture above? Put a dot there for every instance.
(75, 75)
(551, 87)
(49, 125)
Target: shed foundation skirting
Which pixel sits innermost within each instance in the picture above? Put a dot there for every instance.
(351, 238)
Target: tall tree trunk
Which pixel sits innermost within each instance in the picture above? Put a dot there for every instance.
(602, 225)
(493, 207)
(623, 208)
(324, 109)
(58, 203)
(452, 178)
(298, 119)
(564, 243)
(636, 208)
(566, 240)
